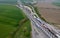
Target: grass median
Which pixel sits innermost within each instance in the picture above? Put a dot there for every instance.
(37, 11)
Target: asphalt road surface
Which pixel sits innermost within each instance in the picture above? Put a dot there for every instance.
(31, 17)
(38, 29)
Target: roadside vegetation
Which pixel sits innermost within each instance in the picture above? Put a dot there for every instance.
(13, 23)
(36, 10)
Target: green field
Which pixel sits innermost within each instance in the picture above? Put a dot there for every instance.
(24, 31)
(8, 1)
(10, 16)
(14, 1)
(57, 4)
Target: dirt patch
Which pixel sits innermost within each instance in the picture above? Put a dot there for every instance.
(49, 12)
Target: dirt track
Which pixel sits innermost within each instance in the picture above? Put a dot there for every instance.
(50, 15)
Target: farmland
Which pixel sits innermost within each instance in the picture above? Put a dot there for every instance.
(8, 1)
(57, 4)
(10, 18)
(50, 13)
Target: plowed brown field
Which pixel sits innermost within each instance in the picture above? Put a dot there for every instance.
(49, 12)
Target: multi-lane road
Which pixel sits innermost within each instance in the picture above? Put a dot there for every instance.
(33, 19)
(39, 27)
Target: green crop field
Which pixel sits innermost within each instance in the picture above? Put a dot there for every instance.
(24, 31)
(57, 4)
(13, 1)
(10, 16)
(8, 1)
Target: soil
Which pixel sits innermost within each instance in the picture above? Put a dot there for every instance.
(49, 12)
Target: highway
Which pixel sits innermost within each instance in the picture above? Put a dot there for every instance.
(34, 21)
(39, 27)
